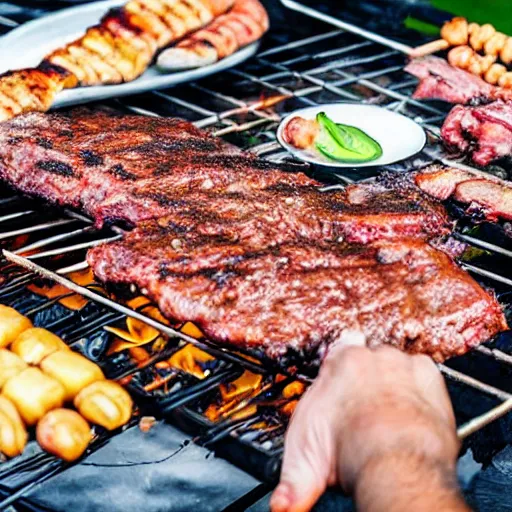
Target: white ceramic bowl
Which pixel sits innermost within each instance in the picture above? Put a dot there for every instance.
(399, 136)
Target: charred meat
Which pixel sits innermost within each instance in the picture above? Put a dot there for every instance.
(133, 169)
(439, 80)
(483, 132)
(486, 195)
(299, 299)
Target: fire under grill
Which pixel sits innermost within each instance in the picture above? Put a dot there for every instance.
(237, 404)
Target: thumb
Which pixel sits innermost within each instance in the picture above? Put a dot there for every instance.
(308, 462)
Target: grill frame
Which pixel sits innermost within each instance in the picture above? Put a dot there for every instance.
(242, 116)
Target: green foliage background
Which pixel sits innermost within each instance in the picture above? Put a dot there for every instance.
(497, 12)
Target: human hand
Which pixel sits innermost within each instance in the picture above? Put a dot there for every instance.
(378, 423)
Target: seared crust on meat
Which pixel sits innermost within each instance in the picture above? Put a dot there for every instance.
(301, 299)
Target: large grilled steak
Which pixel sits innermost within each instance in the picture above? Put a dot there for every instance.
(132, 168)
(293, 299)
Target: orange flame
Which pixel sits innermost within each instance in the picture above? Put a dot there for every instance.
(189, 359)
(234, 395)
(74, 302)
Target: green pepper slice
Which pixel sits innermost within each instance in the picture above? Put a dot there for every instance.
(345, 143)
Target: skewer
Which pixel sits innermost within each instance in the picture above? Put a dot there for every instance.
(480, 422)
(105, 301)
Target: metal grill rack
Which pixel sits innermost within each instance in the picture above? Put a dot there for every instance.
(338, 62)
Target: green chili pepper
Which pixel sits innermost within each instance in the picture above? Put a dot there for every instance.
(345, 143)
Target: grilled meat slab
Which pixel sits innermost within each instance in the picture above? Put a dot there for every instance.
(299, 300)
(133, 169)
(89, 159)
(485, 132)
(439, 80)
(488, 196)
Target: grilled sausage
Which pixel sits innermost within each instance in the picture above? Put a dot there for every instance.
(117, 50)
(244, 24)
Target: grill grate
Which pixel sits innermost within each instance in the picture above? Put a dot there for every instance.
(244, 106)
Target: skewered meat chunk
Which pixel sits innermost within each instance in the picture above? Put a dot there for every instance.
(302, 299)
(34, 344)
(441, 182)
(72, 370)
(105, 403)
(12, 324)
(489, 196)
(439, 80)
(13, 434)
(34, 394)
(494, 199)
(10, 365)
(245, 23)
(64, 433)
(485, 132)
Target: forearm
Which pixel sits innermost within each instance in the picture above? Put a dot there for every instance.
(403, 482)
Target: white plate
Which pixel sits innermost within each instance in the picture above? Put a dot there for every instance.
(28, 44)
(399, 136)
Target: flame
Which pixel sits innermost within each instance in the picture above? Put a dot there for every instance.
(74, 302)
(264, 103)
(289, 408)
(137, 332)
(294, 389)
(189, 359)
(233, 397)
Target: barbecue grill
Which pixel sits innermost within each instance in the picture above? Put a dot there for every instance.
(231, 403)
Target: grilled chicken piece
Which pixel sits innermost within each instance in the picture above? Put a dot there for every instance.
(244, 24)
(64, 433)
(13, 434)
(34, 344)
(12, 324)
(117, 50)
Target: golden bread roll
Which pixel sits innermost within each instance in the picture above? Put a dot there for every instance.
(13, 434)
(105, 403)
(10, 365)
(34, 344)
(34, 394)
(64, 433)
(72, 370)
(12, 324)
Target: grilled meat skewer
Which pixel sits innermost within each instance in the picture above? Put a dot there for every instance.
(117, 50)
(245, 23)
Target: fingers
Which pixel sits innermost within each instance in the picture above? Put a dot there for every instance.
(308, 462)
(432, 386)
